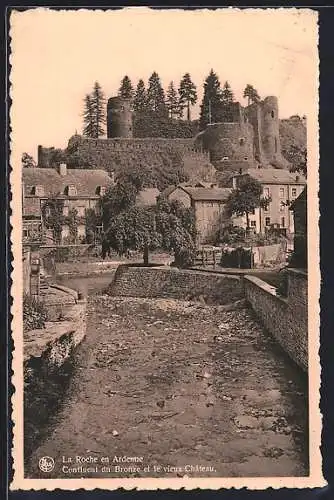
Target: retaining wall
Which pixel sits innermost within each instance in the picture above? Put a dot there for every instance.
(285, 318)
(130, 281)
(48, 363)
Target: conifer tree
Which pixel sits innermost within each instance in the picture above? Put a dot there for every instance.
(88, 117)
(227, 94)
(99, 112)
(251, 94)
(156, 95)
(139, 101)
(172, 102)
(126, 89)
(188, 95)
(211, 100)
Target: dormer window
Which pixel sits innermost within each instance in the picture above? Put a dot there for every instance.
(101, 190)
(38, 190)
(71, 190)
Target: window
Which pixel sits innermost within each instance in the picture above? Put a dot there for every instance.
(267, 221)
(294, 192)
(81, 211)
(266, 192)
(241, 141)
(245, 157)
(253, 223)
(281, 192)
(272, 114)
(71, 190)
(65, 211)
(283, 222)
(282, 206)
(252, 211)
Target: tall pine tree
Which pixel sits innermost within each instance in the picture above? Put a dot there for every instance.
(188, 95)
(251, 94)
(227, 94)
(211, 100)
(172, 102)
(140, 98)
(156, 96)
(99, 109)
(126, 89)
(88, 117)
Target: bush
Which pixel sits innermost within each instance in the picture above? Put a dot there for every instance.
(184, 257)
(34, 313)
(282, 288)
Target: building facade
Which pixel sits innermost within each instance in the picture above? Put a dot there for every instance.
(208, 204)
(282, 188)
(70, 190)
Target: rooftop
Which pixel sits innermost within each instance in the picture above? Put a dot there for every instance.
(207, 194)
(147, 197)
(86, 181)
(275, 176)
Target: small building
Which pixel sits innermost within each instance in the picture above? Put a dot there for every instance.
(299, 210)
(208, 204)
(282, 187)
(147, 197)
(79, 189)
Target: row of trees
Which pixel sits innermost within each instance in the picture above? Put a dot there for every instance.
(154, 99)
(153, 103)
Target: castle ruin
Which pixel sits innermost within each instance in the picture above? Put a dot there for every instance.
(246, 137)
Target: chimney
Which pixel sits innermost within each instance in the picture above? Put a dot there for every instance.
(62, 169)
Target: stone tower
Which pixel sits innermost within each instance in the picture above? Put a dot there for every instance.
(119, 118)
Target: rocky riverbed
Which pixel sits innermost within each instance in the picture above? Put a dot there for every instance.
(187, 388)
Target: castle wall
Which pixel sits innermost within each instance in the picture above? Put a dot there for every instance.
(228, 141)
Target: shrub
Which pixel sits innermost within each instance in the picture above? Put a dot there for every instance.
(34, 313)
(282, 288)
(184, 257)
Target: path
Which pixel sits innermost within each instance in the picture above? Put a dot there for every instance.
(179, 385)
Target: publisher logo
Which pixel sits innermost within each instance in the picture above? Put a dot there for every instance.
(46, 464)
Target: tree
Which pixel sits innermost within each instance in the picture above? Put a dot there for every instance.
(188, 95)
(172, 101)
(297, 156)
(211, 100)
(227, 94)
(156, 96)
(251, 94)
(88, 117)
(52, 215)
(126, 89)
(244, 199)
(133, 229)
(94, 115)
(27, 161)
(140, 98)
(117, 199)
(99, 112)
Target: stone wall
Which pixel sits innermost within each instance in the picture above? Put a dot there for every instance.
(284, 318)
(155, 282)
(48, 362)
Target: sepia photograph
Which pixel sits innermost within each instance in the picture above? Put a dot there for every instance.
(165, 240)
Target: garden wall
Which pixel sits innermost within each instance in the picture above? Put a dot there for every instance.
(284, 318)
(155, 282)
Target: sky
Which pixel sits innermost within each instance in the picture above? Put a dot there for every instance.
(56, 56)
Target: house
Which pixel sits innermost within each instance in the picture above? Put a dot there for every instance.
(79, 189)
(299, 210)
(208, 204)
(147, 197)
(282, 187)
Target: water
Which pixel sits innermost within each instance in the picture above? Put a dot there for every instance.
(88, 286)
